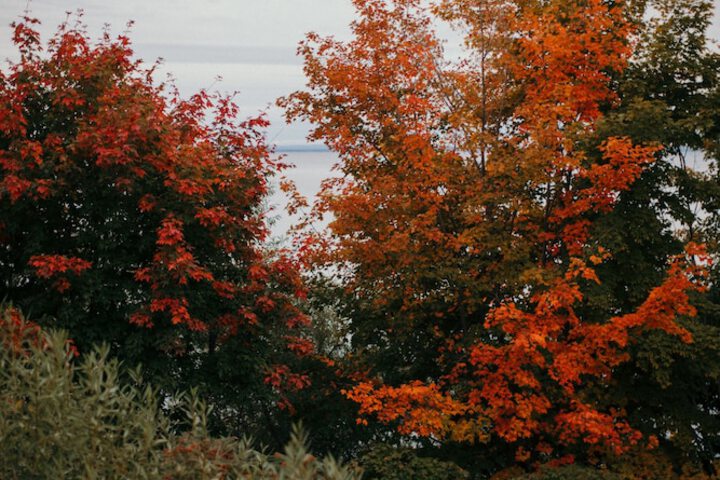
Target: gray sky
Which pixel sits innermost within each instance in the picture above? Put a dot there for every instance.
(249, 43)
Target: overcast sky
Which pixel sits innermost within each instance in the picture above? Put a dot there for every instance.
(249, 43)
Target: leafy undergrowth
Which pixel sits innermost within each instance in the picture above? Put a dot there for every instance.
(68, 417)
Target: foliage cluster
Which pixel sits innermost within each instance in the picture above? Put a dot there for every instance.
(388, 463)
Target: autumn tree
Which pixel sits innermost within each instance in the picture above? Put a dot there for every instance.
(462, 222)
(134, 217)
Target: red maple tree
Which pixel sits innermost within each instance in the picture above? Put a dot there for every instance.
(134, 216)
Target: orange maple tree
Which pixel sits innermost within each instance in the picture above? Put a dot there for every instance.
(464, 215)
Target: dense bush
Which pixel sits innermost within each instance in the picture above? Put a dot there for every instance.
(388, 463)
(571, 472)
(62, 417)
(647, 465)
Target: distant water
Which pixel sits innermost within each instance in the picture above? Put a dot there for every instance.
(310, 168)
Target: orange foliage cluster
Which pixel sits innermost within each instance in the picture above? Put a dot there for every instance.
(551, 340)
(418, 408)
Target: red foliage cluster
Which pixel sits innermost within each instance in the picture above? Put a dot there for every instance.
(57, 266)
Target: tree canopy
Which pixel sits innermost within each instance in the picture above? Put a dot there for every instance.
(134, 217)
(518, 277)
(490, 209)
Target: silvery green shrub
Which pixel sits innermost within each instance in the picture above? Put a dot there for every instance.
(67, 417)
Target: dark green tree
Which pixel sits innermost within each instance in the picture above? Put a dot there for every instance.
(670, 94)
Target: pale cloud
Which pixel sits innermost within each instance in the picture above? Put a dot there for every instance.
(249, 43)
(279, 23)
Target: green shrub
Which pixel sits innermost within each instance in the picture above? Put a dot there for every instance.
(67, 418)
(570, 472)
(387, 463)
